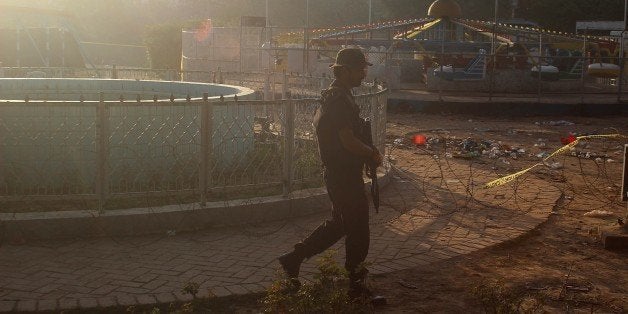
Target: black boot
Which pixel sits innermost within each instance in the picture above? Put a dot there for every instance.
(357, 284)
(291, 264)
(359, 290)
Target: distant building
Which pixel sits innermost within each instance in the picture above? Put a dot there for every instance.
(39, 47)
(600, 28)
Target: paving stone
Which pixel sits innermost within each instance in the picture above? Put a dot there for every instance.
(183, 297)
(105, 289)
(68, 304)
(47, 305)
(26, 305)
(87, 303)
(236, 289)
(146, 299)
(7, 306)
(125, 300)
(165, 298)
(220, 291)
(131, 290)
(107, 301)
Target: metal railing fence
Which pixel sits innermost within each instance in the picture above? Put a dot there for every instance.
(123, 154)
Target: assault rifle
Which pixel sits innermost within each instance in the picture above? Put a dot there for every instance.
(371, 168)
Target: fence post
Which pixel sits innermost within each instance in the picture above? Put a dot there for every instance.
(491, 82)
(102, 152)
(206, 130)
(288, 154)
(622, 68)
(272, 85)
(539, 67)
(114, 72)
(584, 67)
(374, 115)
(284, 87)
(267, 86)
(440, 78)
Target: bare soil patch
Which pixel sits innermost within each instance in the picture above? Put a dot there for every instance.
(559, 267)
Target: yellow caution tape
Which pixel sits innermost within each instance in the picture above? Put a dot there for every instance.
(508, 178)
(512, 177)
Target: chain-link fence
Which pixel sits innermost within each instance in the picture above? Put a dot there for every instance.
(127, 154)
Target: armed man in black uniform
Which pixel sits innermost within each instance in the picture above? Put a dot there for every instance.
(343, 154)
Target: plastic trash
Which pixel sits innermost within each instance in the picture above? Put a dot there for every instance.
(560, 123)
(598, 213)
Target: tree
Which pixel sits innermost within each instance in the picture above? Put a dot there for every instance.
(163, 42)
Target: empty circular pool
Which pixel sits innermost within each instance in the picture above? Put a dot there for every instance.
(61, 137)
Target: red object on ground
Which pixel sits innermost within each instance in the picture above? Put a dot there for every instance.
(419, 139)
(568, 140)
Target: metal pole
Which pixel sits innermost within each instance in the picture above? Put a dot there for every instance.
(622, 56)
(493, 39)
(240, 47)
(206, 132)
(494, 28)
(584, 63)
(538, 99)
(622, 67)
(306, 56)
(625, 15)
(370, 12)
(284, 86)
(288, 156)
(17, 46)
(624, 185)
(267, 19)
(47, 58)
(102, 134)
(442, 62)
(63, 47)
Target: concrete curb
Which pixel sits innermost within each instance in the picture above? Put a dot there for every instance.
(164, 219)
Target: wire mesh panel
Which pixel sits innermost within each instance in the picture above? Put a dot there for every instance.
(243, 153)
(307, 164)
(46, 149)
(153, 147)
(373, 107)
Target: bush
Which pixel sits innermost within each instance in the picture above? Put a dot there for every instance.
(327, 293)
(164, 46)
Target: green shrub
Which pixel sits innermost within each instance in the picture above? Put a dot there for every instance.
(327, 293)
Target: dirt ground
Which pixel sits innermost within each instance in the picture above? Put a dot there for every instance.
(559, 267)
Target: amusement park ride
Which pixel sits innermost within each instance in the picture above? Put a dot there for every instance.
(444, 44)
(456, 48)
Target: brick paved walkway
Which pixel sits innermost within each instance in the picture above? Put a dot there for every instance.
(429, 213)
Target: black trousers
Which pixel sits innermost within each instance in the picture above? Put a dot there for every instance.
(349, 217)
